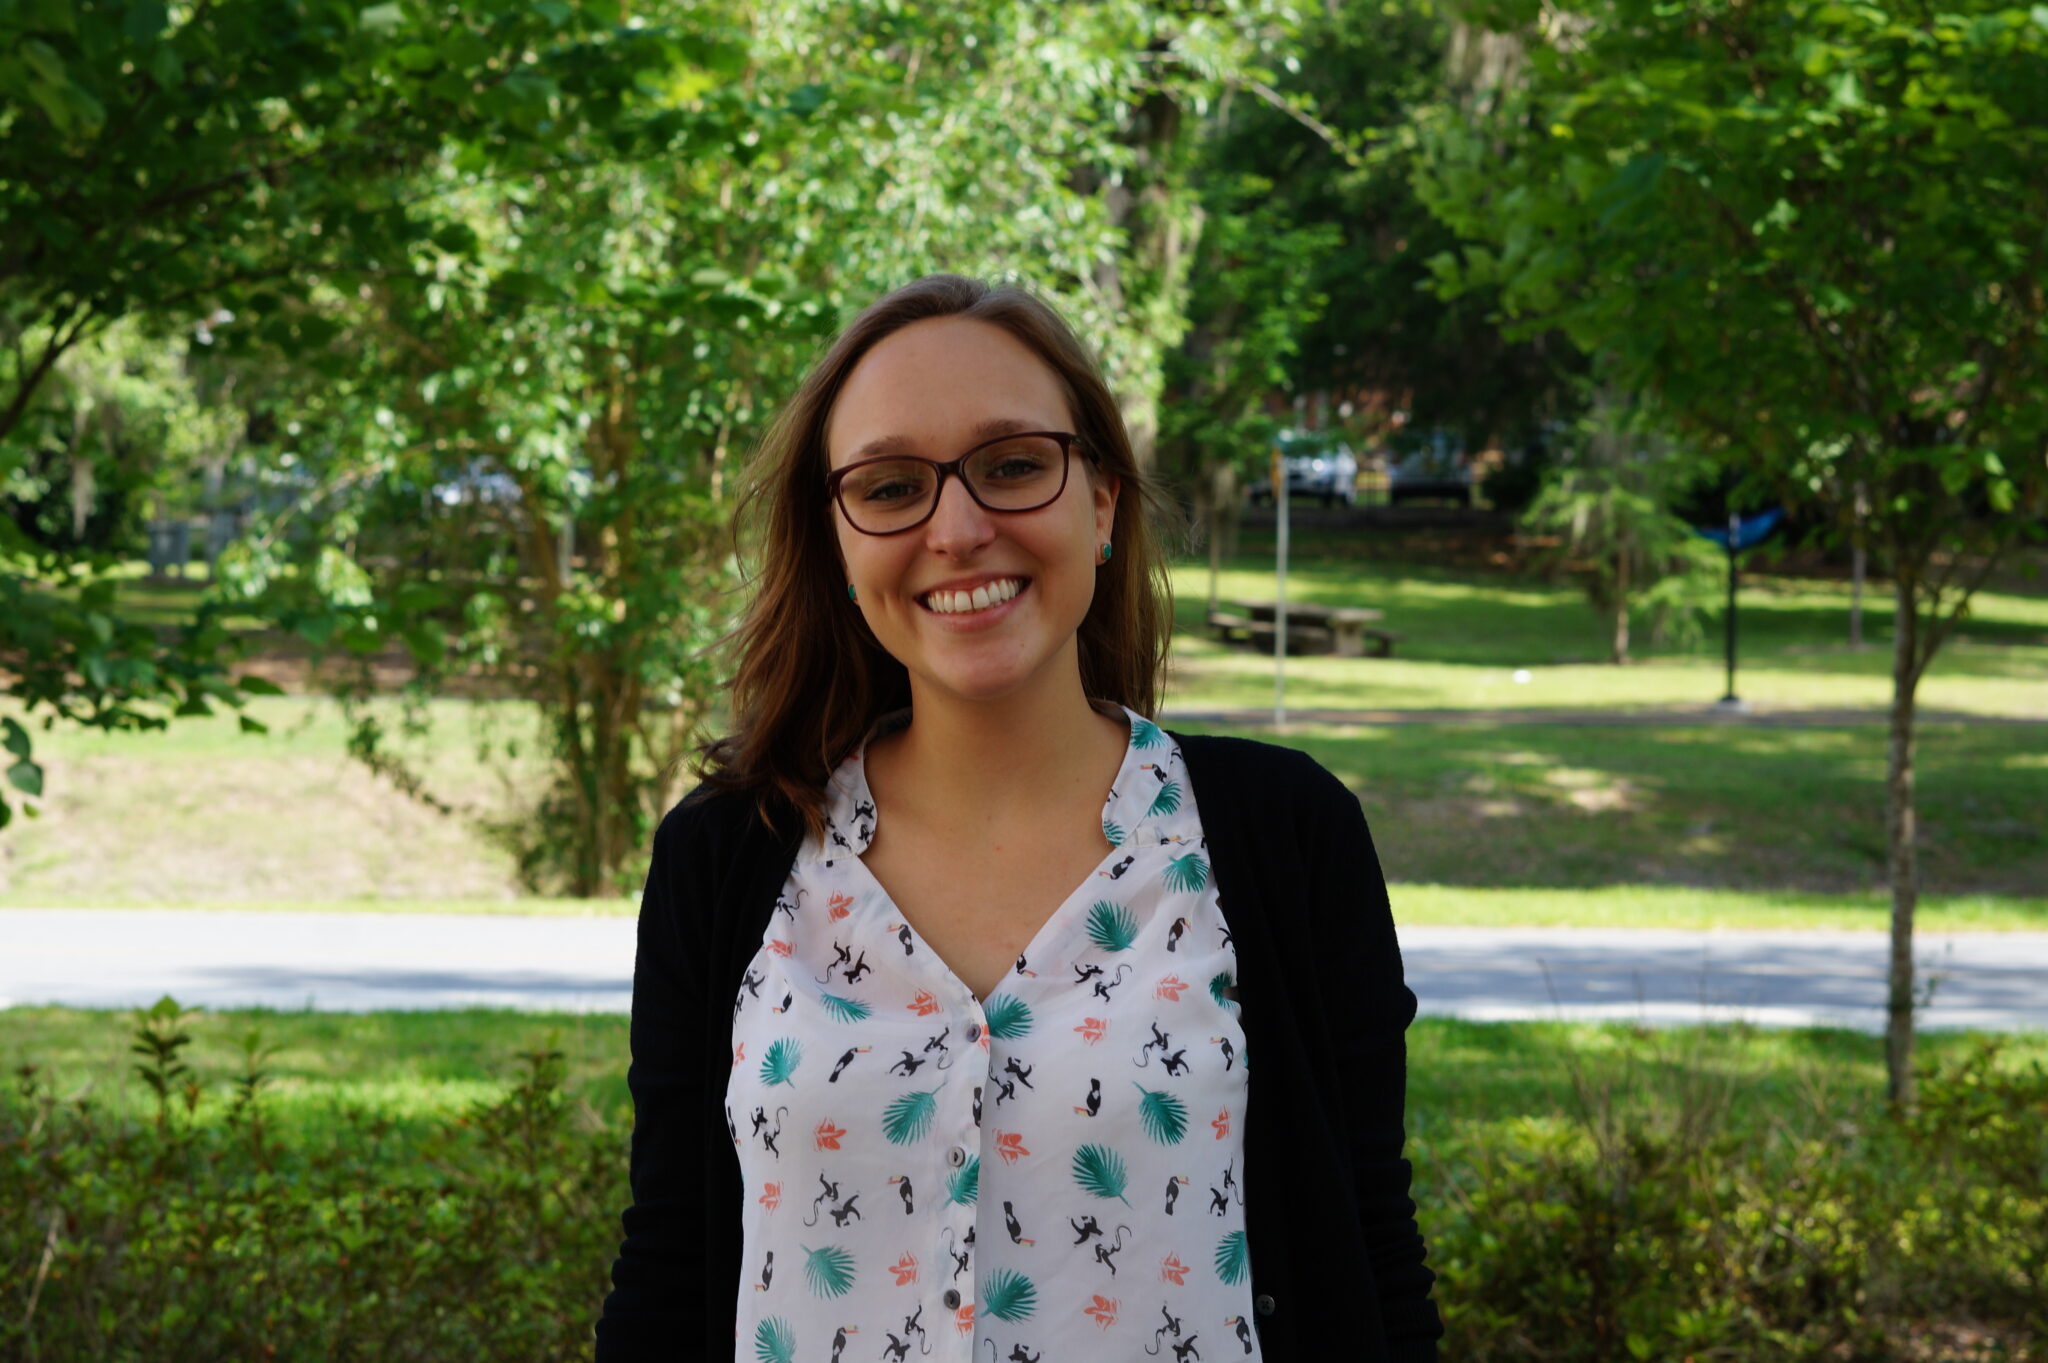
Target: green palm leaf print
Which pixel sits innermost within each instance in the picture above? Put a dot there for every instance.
(774, 1341)
(1145, 734)
(964, 1185)
(845, 1010)
(910, 1116)
(1112, 926)
(1008, 1295)
(829, 1270)
(1009, 1017)
(1113, 833)
(1233, 1259)
(1217, 984)
(1188, 874)
(1100, 1171)
(1164, 1117)
(779, 1065)
(1166, 801)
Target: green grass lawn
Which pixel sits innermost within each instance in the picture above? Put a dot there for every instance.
(1466, 634)
(1463, 1076)
(1676, 822)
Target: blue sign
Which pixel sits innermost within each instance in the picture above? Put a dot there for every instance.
(1750, 531)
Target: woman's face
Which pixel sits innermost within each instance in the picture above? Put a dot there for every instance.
(932, 389)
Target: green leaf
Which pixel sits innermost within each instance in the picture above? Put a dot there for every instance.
(1187, 873)
(1146, 734)
(1100, 1172)
(964, 1184)
(1112, 926)
(829, 1271)
(252, 726)
(1008, 1296)
(779, 1065)
(910, 1116)
(14, 738)
(26, 777)
(774, 1341)
(845, 1010)
(1217, 984)
(1166, 801)
(1164, 1117)
(1113, 833)
(1233, 1258)
(258, 686)
(1009, 1017)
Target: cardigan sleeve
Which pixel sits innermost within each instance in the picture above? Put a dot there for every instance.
(1348, 887)
(662, 1259)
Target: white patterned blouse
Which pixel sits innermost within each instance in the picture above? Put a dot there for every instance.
(1051, 1173)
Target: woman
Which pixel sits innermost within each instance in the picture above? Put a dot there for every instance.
(952, 973)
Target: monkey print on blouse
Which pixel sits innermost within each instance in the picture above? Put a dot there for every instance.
(1053, 1173)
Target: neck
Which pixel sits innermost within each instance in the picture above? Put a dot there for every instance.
(968, 764)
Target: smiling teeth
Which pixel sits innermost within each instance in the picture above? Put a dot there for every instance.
(981, 598)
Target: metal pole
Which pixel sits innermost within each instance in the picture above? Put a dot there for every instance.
(1734, 528)
(1280, 603)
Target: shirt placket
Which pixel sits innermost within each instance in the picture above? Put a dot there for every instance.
(959, 1132)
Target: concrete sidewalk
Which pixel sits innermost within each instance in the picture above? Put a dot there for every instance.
(123, 958)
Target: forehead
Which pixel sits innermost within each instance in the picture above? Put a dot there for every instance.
(937, 386)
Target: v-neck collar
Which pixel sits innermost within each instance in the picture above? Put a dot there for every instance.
(1144, 803)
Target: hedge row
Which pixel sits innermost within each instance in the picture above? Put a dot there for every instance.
(213, 1233)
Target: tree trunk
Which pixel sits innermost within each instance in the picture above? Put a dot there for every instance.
(1901, 831)
(1621, 610)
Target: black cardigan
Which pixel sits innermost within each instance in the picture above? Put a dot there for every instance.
(1334, 1244)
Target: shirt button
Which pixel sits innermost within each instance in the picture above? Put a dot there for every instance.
(952, 1299)
(956, 1157)
(1263, 1304)
(973, 1033)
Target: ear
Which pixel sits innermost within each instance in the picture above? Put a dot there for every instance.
(1105, 487)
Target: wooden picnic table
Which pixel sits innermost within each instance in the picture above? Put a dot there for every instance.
(1311, 628)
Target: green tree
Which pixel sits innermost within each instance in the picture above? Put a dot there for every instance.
(1815, 233)
(163, 166)
(1606, 504)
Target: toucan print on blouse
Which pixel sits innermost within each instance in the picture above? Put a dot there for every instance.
(1053, 1174)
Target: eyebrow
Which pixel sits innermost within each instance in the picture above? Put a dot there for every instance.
(987, 429)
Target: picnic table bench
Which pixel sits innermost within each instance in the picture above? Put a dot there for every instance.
(1345, 631)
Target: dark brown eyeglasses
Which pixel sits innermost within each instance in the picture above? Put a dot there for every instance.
(898, 492)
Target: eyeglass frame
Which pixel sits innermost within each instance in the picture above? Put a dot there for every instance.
(835, 480)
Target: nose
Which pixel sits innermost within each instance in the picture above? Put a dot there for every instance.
(959, 525)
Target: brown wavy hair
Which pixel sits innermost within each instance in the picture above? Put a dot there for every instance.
(809, 676)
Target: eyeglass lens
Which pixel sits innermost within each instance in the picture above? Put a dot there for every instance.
(1020, 474)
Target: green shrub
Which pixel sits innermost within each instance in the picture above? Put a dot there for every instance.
(1684, 1207)
(1634, 1232)
(196, 1238)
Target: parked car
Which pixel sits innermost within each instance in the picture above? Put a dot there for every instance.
(1318, 465)
(1436, 469)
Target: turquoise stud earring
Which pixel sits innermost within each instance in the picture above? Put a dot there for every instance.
(850, 595)
(1107, 549)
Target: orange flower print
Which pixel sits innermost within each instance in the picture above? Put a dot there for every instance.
(905, 1270)
(739, 1053)
(1103, 1309)
(828, 1135)
(963, 1319)
(1169, 989)
(1092, 1029)
(779, 947)
(1172, 1270)
(771, 1195)
(1222, 1123)
(924, 1005)
(1010, 1146)
(838, 906)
